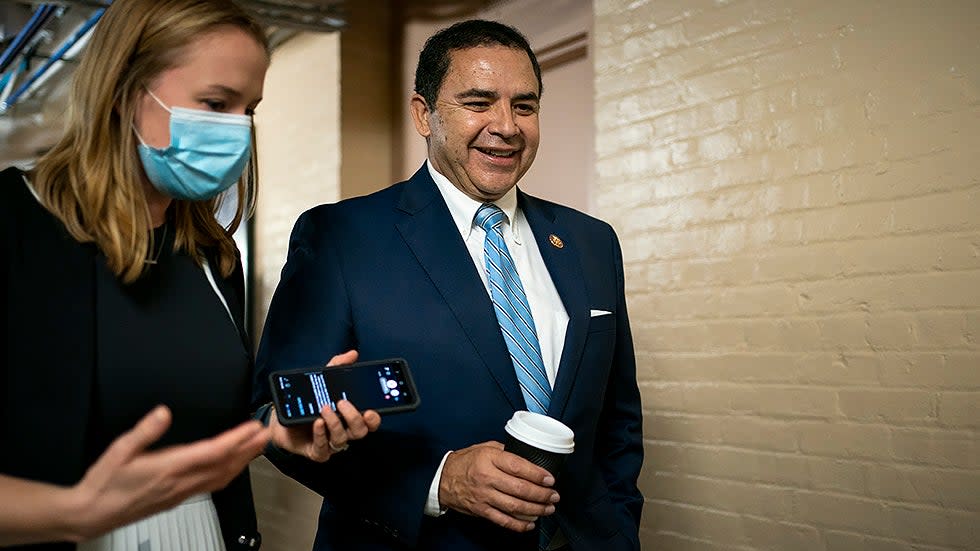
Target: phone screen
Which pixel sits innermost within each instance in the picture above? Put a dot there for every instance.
(385, 386)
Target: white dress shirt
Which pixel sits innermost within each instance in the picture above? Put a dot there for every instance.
(547, 309)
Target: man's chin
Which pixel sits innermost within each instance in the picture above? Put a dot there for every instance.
(492, 191)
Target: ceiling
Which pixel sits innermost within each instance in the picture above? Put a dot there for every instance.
(42, 40)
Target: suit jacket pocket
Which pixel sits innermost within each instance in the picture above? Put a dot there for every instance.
(602, 323)
(594, 522)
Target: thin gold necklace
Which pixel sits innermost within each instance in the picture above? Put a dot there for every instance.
(163, 240)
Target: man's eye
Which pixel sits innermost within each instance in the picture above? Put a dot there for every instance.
(478, 105)
(526, 109)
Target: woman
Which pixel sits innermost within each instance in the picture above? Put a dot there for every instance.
(119, 291)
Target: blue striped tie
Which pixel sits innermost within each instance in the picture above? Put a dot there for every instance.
(513, 313)
(517, 325)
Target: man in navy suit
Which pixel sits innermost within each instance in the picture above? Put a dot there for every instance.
(405, 272)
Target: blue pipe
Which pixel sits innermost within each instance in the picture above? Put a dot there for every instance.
(55, 57)
(7, 82)
(14, 73)
(34, 24)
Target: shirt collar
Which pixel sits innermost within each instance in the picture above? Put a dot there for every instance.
(463, 208)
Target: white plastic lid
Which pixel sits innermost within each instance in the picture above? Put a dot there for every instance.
(541, 431)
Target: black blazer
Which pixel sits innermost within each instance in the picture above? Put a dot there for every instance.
(47, 290)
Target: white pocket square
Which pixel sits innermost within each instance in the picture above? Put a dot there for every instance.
(597, 313)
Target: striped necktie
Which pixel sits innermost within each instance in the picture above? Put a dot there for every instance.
(513, 312)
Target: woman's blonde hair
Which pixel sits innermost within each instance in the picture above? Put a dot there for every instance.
(92, 179)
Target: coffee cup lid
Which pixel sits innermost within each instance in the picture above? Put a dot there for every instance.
(541, 431)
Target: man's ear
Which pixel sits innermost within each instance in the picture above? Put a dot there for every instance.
(420, 115)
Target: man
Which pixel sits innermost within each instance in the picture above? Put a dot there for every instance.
(426, 271)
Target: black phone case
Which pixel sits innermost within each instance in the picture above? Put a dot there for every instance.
(409, 381)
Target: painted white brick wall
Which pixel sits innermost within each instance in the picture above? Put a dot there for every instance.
(795, 185)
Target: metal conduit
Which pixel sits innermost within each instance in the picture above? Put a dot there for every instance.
(55, 61)
(34, 24)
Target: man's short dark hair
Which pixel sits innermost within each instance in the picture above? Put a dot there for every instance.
(435, 55)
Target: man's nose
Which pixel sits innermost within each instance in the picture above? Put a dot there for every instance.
(502, 121)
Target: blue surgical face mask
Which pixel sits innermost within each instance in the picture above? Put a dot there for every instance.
(207, 153)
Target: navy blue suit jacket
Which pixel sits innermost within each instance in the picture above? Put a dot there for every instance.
(389, 275)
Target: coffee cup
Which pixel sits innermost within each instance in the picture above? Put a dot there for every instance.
(542, 440)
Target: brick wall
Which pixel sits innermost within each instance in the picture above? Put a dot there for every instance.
(795, 185)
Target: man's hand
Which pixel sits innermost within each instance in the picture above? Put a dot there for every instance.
(485, 481)
(327, 436)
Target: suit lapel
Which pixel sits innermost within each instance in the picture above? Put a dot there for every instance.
(233, 297)
(565, 269)
(430, 233)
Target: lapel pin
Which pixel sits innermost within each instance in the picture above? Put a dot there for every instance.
(556, 241)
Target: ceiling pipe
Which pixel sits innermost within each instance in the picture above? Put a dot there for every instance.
(21, 67)
(68, 48)
(322, 16)
(8, 80)
(34, 24)
(306, 15)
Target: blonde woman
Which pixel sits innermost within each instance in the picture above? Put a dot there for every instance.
(120, 292)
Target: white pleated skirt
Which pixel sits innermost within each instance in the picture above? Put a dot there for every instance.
(190, 526)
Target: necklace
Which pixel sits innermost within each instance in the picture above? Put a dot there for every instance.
(163, 241)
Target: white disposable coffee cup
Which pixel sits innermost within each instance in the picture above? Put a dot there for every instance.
(542, 440)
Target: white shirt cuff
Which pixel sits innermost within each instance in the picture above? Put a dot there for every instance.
(432, 506)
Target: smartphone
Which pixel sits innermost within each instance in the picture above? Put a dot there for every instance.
(385, 386)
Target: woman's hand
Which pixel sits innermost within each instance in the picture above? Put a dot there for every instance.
(127, 482)
(327, 435)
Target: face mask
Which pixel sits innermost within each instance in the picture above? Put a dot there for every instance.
(207, 153)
